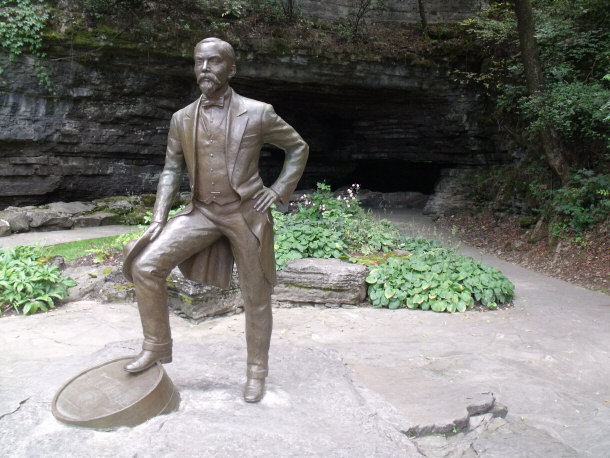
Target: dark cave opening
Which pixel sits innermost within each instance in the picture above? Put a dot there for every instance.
(385, 139)
(383, 175)
(394, 176)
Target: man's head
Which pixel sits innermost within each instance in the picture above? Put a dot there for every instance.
(214, 66)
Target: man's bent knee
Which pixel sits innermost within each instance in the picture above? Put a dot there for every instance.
(143, 270)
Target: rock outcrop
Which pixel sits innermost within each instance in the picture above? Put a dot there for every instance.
(66, 215)
(133, 210)
(388, 125)
(395, 11)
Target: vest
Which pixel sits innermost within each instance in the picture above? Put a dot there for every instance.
(213, 183)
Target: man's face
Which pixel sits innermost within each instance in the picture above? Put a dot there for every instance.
(213, 69)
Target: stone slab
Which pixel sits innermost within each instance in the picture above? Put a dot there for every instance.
(311, 408)
(62, 236)
(328, 282)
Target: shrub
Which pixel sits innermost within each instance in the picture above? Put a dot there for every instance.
(581, 204)
(28, 284)
(574, 108)
(434, 278)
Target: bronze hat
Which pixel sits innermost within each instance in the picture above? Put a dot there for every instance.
(130, 251)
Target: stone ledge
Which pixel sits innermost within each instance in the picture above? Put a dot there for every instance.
(303, 282)
(58, 216)
(327, 282)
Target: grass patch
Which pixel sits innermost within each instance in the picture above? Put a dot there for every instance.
(74, 250)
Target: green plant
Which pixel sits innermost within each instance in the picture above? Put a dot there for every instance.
(581, 204)
(294, 240)
(114, 245)
(234, 8)
(27, 283)
(434, 278)
(21, 26)
(99, 8)
(326, 225)
(172, 212)
(574, 108)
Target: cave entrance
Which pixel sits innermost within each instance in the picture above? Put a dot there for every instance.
(380, 175)
(396, 176)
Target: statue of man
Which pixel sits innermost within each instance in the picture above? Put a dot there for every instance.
(217, 139)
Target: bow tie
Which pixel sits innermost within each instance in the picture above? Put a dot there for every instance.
(213, 102)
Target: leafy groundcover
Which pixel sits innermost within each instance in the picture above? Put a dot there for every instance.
(28, 283)
(431, 277)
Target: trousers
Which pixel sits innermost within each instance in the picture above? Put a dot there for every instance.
(190, 233)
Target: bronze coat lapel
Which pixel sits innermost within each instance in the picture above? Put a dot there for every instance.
(237, 120)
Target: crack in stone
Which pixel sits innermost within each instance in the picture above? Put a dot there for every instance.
(460, 424)
(21, 403)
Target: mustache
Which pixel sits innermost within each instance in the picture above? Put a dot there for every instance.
(208, 76)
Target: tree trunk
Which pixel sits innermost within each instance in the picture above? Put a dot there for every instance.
(551, 142)
(422, 16)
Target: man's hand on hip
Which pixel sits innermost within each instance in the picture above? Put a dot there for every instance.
(264, 198)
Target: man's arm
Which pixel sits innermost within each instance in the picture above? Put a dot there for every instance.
(169, 180)
(279, 133)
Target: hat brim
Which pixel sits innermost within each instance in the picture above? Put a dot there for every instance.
(130, 251)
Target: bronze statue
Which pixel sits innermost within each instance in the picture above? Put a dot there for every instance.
(218, 139)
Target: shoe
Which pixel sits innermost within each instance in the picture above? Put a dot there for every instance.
(148, 358)
(255, 389)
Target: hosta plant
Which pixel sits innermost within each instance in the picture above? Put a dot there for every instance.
(431, 277)
(27, 283)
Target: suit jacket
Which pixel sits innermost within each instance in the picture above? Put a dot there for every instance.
(250, 124)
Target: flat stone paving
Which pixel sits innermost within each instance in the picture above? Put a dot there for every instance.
(56, 237)
(355, 382)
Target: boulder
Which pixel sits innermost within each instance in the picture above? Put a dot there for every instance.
(96, 219)
(303, 282)
(46, 219)
(328, 282)
(370, 199)
(118, 205)
(404, 200)
(97, 282)
(18, 221)
(71, 208)
(198, 302)
(5, 228)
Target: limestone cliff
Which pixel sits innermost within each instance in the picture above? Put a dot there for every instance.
(388, 122)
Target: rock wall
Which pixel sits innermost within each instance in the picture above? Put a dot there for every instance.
(102, 134)
(396, 10)
(389, 126)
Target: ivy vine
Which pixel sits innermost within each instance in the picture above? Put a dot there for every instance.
(21, 26)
